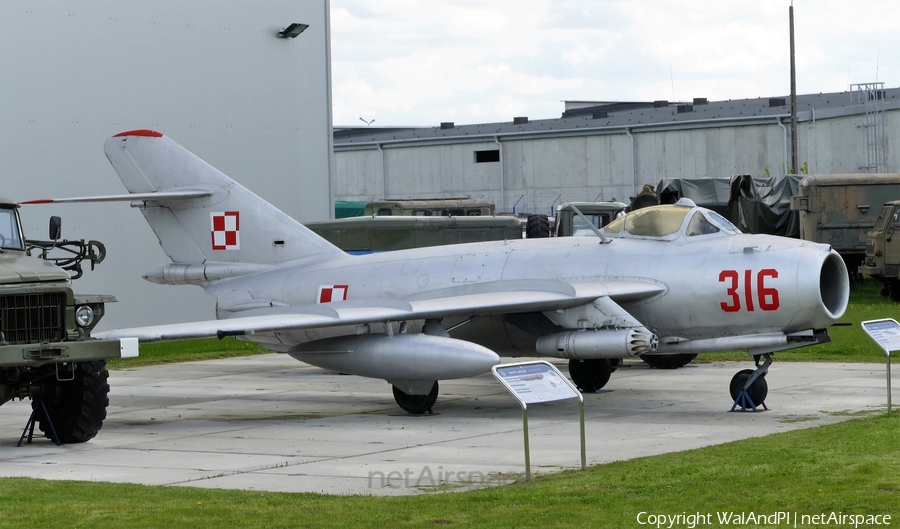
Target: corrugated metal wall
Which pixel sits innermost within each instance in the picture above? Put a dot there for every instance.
(541, 173)
(213, 76)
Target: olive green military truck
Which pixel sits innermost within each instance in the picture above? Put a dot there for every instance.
(882, 259)
(47, 354)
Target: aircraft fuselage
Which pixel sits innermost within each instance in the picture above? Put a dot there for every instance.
(761, 284)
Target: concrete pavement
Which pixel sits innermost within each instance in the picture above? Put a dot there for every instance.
(271, 423)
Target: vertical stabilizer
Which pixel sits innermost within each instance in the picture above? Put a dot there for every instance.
(230, 224)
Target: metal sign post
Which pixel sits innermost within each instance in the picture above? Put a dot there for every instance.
(534, 383)
(886, 333)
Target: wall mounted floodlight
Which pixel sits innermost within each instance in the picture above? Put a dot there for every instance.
(292, 31)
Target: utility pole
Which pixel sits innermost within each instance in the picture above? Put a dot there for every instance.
(795, 156)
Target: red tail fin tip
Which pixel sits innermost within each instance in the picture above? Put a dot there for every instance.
(140, 132)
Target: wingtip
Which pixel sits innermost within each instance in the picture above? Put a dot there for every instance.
(140, 132)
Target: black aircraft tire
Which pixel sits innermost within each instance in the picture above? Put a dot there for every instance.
(590, 375)
(416, 404)
(77, 407)
(672, 361)
(537, 227)
(758, 391)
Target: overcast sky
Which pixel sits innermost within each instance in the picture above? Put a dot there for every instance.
(411, 62)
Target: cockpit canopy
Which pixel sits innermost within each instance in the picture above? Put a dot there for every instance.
(670, 222)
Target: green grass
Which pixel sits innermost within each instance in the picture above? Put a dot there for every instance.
(187, 351)
(850, 468)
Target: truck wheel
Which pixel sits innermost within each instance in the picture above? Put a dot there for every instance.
(670, 361)
(77, 407)
(537, 227)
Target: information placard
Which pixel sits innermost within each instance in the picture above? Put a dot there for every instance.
(885, 332)
(539, 382)
(535, 383)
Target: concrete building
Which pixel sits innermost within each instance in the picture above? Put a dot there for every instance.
(609, 150)
(213, 76)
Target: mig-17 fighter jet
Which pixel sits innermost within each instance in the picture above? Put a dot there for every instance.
(673, 279)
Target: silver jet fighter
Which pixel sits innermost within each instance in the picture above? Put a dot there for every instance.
(674, 279)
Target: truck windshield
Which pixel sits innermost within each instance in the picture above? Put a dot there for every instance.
(579, 227)
(887, 215)
(10, 236)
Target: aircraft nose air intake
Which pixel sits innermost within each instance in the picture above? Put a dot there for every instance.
(834, 287)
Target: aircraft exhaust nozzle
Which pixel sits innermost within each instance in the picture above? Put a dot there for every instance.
(399, 356)
(588, 345)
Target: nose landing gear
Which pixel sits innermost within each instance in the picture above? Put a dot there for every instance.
(749, 388)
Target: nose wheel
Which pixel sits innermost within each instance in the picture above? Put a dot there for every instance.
(749, 388)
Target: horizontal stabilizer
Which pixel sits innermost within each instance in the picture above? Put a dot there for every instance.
(159, 196)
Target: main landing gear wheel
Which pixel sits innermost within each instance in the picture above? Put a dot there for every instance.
(76, 407)
(758, 390)
(590, 375)
(671, 361)
(416, 404)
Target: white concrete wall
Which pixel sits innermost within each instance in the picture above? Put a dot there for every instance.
(211, 75)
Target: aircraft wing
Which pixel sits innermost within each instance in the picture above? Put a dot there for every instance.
(501, 297)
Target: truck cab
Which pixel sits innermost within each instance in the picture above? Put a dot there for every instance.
(882, 259)
(47, 354)
(569, 223)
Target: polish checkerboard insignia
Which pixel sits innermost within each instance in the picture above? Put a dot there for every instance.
(329, 293)
(226, 230)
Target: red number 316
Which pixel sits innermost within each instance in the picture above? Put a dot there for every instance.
(766, 297)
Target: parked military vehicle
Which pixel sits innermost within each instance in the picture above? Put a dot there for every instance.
(46, 350)
(430, 207)
(882, 259)
(567, 222)
(599, 214)
(841, 209)
(361, 235)
(388, 225)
